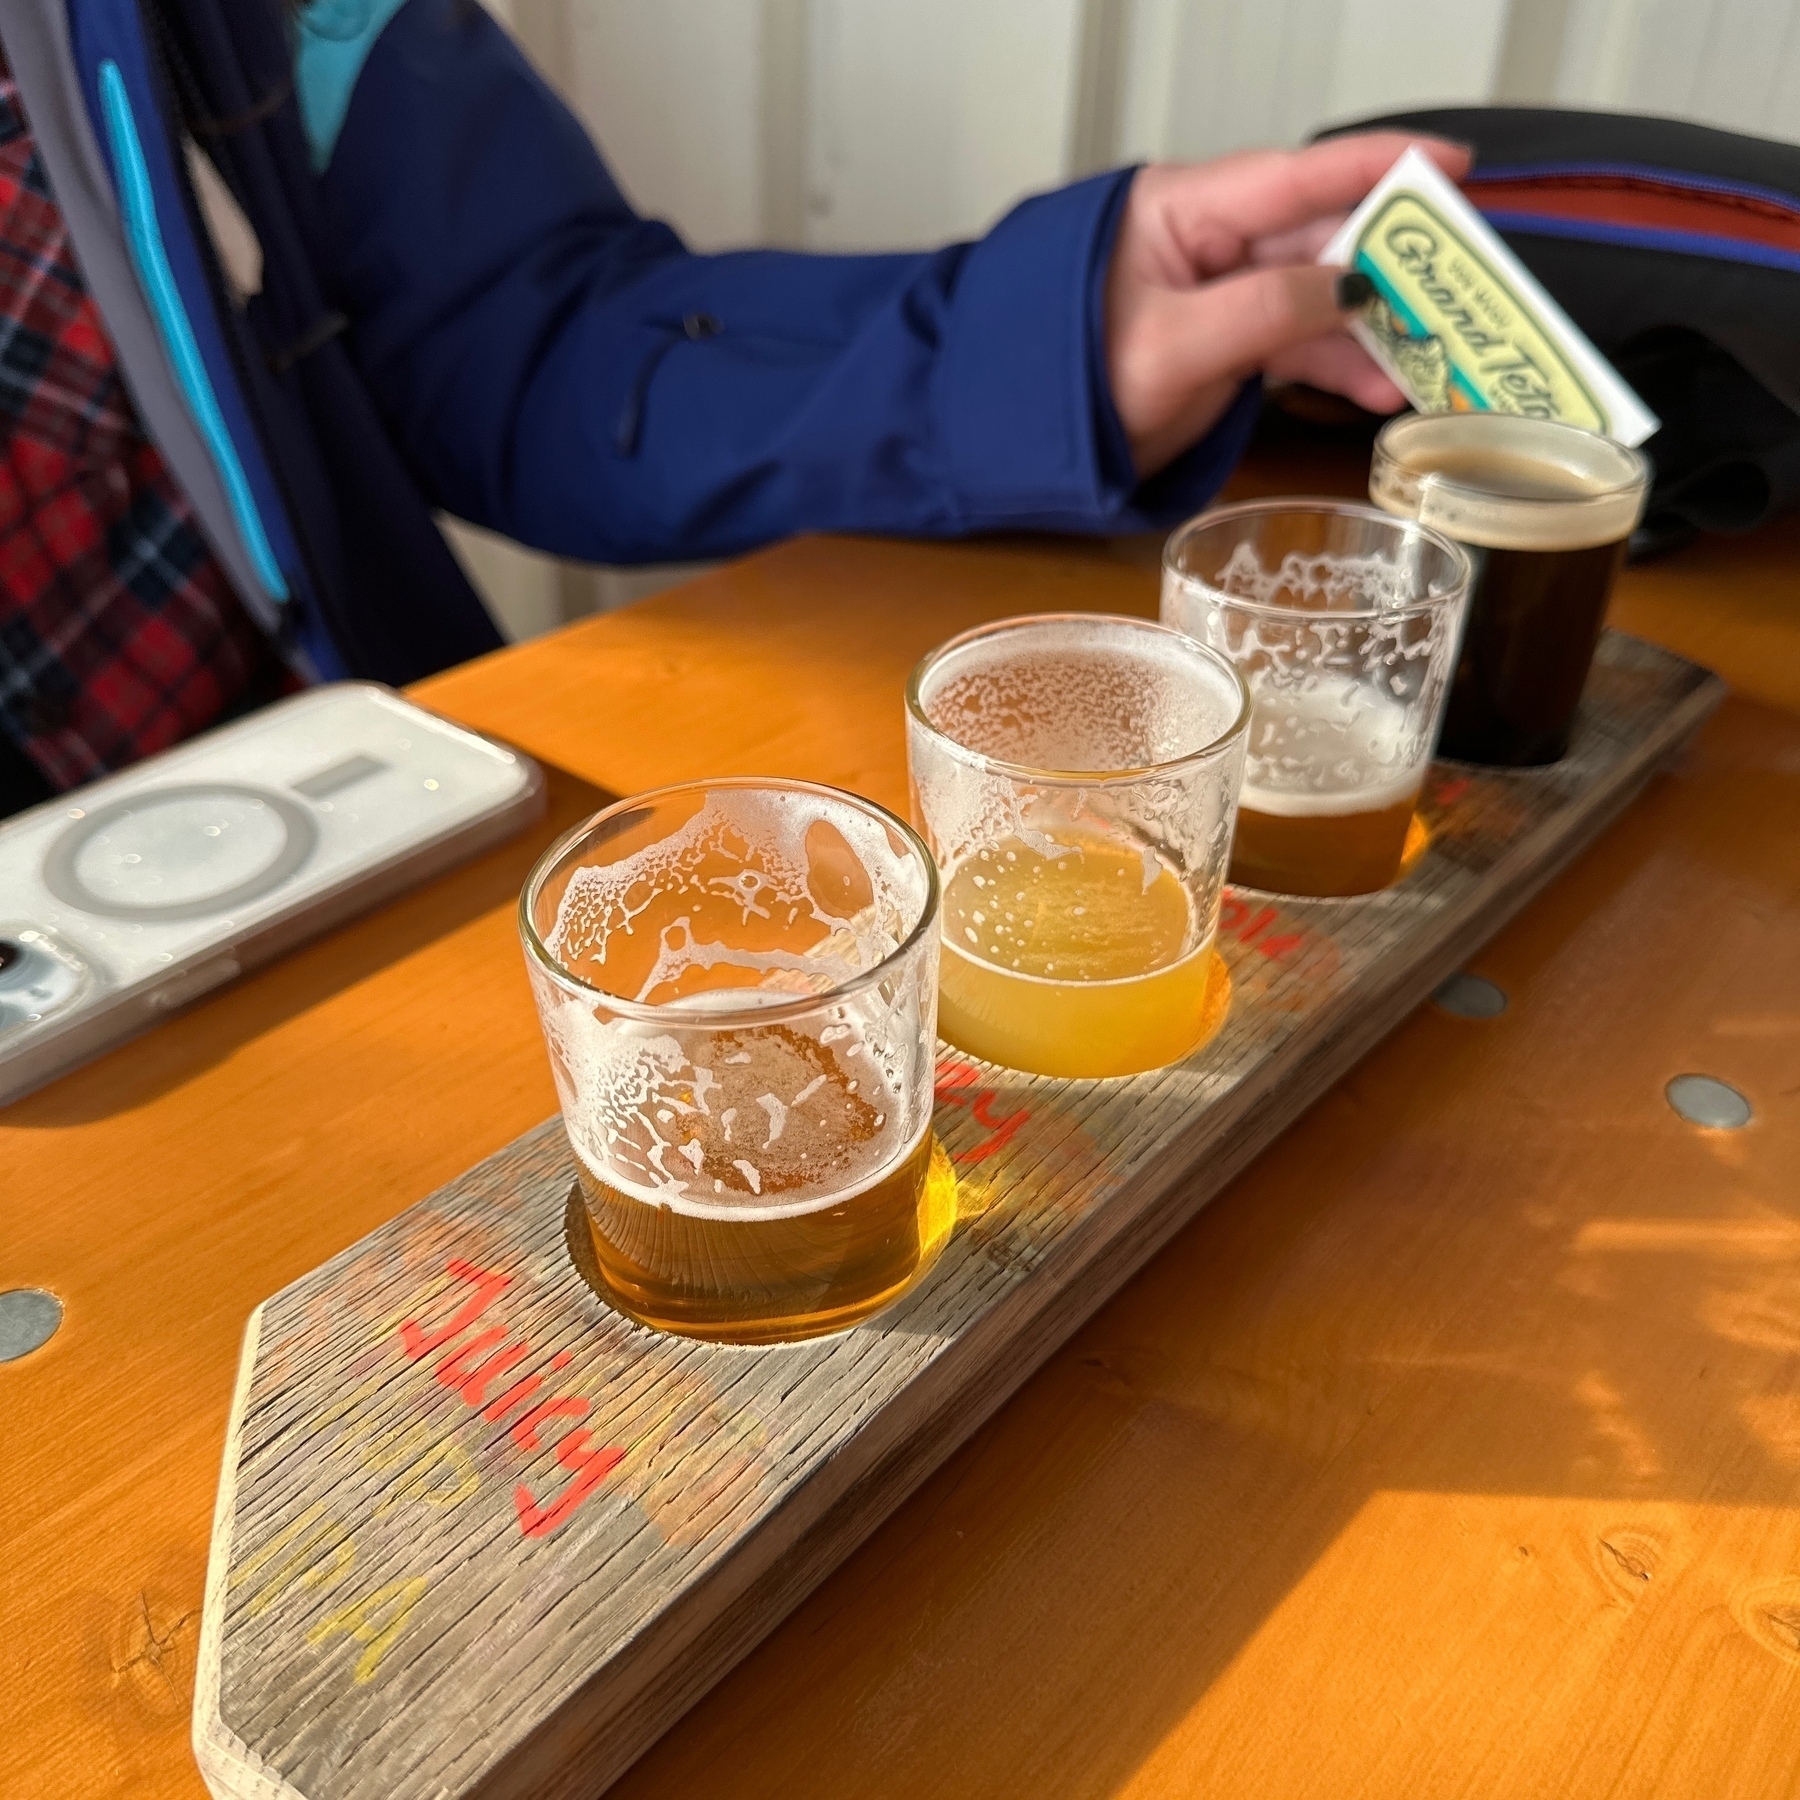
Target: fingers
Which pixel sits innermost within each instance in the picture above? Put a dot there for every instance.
(1262, 194)
(1301, 245)
(1188, 316)
(1266, 195)
(1339, 365)
(1176, 355)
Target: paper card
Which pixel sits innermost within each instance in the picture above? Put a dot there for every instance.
(1460, 323)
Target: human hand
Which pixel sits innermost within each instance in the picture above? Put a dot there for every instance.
(1213, 279)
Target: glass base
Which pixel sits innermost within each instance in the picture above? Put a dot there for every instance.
(772, 1281)
(1263, 880)
(1083, 1029)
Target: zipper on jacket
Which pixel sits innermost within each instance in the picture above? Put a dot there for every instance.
(694, 327)
(149, 256)
(238, 334)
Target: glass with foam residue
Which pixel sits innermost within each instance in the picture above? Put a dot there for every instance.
(1076, 776)
(1343, 623)
(737, 982)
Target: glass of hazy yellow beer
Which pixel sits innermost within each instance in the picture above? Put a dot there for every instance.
(737, 981)
(1076, 775)
(1343, 623)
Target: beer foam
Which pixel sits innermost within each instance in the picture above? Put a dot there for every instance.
(1084, 698)
(1319, 583)
(1289, 803)
(717, 1124)
(763, 831)
(1502, 483)
(1332, 746)
(737, 1212)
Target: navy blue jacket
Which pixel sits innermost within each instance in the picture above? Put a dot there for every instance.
(460, 311)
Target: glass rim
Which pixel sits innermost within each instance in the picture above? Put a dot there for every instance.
(1322, 503)
(733, 1018)
(1638, 481)
(1076, 778)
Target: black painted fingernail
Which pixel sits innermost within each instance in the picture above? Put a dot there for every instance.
(1353, 289)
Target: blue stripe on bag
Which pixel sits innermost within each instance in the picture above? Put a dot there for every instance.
(1646, 172)
(1645, 237)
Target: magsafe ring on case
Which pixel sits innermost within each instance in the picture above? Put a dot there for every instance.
(138, 894)
(180, 852)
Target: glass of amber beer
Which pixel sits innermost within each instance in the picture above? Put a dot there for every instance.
(737, 981)
(1544, 510)
(1343, 623)
(1075, 775)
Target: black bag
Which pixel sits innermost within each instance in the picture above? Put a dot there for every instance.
(1676, 248)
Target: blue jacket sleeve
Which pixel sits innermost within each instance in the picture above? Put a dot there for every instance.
(560, 370)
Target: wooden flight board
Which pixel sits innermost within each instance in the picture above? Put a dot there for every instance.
(477, 1535)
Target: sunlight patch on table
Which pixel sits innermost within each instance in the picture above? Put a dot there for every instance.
(1501, 1644)
(1746, 1240)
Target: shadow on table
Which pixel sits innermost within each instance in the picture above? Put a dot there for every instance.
(1395, 1403)
(173, 1052)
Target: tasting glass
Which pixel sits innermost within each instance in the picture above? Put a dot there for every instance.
(1343, 624)
(737, 982)
(1076, 776)
(1545, 512)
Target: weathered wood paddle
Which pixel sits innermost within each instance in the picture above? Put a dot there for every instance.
(478, 1535)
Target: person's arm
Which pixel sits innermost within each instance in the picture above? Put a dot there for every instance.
(560, 370)
(563, 371)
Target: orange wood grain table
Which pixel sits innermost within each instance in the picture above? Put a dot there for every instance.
(1455, 1450)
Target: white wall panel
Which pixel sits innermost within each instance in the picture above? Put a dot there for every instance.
(1781, 112)
(1731, 63)
(1392, 54)
(1721, 61)
(1208, 76)
(927, 118)
(1597, 38)
(1152, 81)
(1204, 76)
(1248, 75)
(1668, 50)
(673, 94)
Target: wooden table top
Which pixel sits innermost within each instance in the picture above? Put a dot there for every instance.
(1455, 1449)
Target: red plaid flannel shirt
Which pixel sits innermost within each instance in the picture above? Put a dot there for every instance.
(119, 634)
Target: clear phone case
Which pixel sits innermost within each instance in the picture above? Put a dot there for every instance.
(143, 891)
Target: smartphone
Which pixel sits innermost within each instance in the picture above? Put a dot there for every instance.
(137, 894)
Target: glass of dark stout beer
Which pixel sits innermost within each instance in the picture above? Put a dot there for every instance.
(1544, 511)
(1343, 624)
